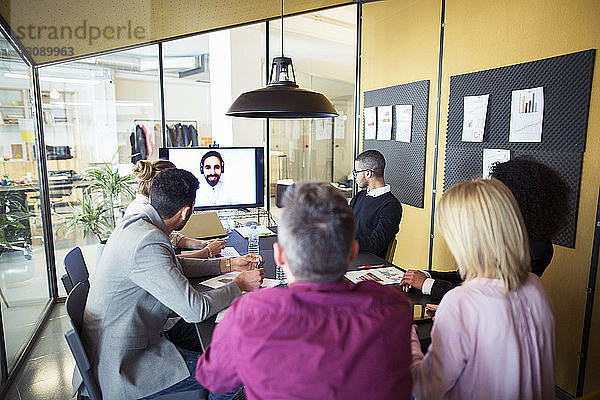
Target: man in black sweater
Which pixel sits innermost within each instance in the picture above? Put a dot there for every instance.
(376, 209)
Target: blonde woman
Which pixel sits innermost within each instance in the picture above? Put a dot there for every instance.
(493, 337)
(145, 171)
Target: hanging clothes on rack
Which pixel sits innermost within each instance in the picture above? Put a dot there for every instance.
(139, 148)
(149, 146)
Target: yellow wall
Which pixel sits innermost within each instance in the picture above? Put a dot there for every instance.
(400, 44)
(142, 21)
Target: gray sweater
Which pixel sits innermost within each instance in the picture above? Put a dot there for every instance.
(137, 284)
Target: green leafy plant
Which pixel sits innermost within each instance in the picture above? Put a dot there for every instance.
(102, 201)
(12, 220)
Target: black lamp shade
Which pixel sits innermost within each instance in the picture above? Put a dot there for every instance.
(282, 98)
(282, 102)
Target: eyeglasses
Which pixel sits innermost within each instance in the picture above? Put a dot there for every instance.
(355, 172)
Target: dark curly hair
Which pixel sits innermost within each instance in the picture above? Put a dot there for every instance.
(542, 195)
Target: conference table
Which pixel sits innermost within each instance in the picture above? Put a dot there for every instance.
(416, 298)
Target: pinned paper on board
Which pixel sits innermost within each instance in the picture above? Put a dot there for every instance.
(370, 123)
(475, 111)
(339, 127)
(403, 122)
(321, 131)
(492, 157)
(526, 115)
(384, 123)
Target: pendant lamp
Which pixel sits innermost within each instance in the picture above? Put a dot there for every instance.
(282, 98)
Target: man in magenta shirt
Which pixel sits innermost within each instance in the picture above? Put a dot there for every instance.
(322, 337)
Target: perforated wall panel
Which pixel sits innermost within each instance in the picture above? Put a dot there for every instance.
(567, 83)
(405, 162)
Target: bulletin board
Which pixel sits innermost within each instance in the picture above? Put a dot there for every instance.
(405, 161)
(567, 82)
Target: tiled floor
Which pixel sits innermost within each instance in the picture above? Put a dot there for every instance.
(47, 373)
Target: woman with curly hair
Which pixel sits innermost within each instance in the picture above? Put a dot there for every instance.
(145, 171)
(543, 199)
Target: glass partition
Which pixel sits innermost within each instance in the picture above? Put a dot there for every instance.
(204, 74)
(322, 46)
(24, 291)
(101, 112)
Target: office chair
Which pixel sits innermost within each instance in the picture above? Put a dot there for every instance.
(76, 268)
(75, 306)
(67, 283)
(391, 251)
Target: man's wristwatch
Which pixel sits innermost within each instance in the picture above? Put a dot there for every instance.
(227, 265)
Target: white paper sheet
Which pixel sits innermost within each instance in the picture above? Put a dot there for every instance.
(262, 231)
(322, 130)
(384, 123)
(475, 111)
(296, 129)
(227, 252)
(492, 157)
(370, 123)
(292, 152)
(339, 127)
(224, 279)
(526, 115)
(385, 275)
(403, 122)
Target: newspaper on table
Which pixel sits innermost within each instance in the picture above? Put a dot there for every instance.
(224, 279)
(385, 275)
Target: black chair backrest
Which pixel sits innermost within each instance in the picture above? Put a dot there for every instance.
(67, 283)
(75, 306)
(75, 266)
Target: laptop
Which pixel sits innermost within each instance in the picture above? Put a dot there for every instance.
(204, 225)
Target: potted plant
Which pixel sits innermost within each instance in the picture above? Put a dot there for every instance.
(14, 222)
(102, 202)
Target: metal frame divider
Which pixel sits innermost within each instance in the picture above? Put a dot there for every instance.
(436, 140)
(267, 133)
(589, 304)
(358, 61)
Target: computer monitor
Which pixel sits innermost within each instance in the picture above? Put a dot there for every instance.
(229, 177)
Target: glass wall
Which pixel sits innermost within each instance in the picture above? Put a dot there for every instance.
(322, 46)
(204, 74)
(103, 113)
(99, 113)
(24, 289)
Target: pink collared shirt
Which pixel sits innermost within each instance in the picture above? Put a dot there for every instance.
(488, 344)
(332, 340)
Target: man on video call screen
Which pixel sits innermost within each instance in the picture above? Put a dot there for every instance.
(212, 190)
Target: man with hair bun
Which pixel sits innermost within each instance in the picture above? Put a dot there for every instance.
(376, 210)
(322, 337)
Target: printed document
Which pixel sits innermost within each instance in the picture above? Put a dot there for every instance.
(475, 110)
(526, 115)
(403, 122)
(385, 275)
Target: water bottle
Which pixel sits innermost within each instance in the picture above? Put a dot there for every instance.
(280, 275)
(253, 241)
